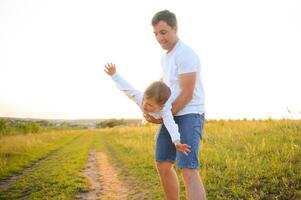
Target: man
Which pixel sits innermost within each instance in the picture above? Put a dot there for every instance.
(181, 72)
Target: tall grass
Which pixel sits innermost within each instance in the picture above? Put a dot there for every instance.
(252, 160)
(239, 159)
(59, 176)
(19, 151)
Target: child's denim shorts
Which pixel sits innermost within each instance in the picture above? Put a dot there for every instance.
(190, 128)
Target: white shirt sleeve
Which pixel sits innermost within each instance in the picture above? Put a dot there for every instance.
(170, 124)
(187, 62)
(128, 89)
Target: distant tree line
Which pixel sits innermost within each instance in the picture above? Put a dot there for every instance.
(109, 123)
(10, 127)
(16, 126)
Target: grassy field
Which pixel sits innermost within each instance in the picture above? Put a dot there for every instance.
(239, 160)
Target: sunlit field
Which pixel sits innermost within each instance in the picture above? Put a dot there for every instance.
(239, 160)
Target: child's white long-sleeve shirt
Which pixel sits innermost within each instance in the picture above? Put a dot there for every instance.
(137, 96)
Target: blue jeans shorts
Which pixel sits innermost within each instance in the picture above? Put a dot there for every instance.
(190, 128)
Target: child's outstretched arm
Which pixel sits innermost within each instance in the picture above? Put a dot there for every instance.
(123, 85)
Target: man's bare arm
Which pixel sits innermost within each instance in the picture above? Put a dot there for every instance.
(151, 119)
(187, 85)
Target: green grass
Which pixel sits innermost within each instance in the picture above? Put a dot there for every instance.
(58, 177)
(252, 160)
(20, 151)
(239, 160)
(132, 152)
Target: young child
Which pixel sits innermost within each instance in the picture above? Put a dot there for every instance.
(155, 101)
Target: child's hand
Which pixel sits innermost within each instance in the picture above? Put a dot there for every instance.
(184, 148)
(110, 69)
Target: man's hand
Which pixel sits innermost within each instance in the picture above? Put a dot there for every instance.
(110, 69)
(151, 119)
(184, 148)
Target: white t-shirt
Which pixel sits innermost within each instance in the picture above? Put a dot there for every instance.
(182, 59)
(137, 96)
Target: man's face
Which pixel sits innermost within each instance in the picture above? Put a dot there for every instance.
(165, 35)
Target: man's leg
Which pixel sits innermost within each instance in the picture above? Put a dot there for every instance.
(169, 180)
(190, 127)
(193, 184)
(165, 158)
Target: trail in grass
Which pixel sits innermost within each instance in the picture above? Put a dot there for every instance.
(103, 179)
(91, 172)
(57, 176)
(4, 184)
(112, 186)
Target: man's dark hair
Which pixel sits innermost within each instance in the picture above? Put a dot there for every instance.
(165, 15)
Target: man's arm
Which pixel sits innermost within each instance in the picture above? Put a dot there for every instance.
(187, 84)
(151, 119)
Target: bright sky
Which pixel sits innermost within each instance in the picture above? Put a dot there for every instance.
(52, 55)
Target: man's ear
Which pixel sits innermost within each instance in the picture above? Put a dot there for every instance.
(176, 29)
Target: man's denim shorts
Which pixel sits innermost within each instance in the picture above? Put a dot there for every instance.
(190, 128)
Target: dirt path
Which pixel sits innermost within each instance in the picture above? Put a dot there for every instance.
(103, 179)
(91, 172)
(113, 187)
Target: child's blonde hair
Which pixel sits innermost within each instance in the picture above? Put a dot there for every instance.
(158, 91)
